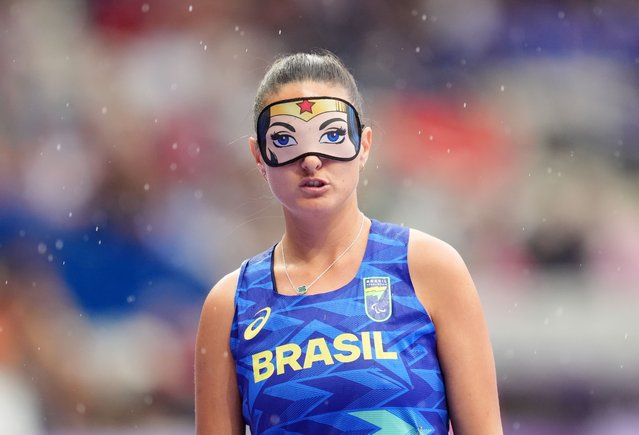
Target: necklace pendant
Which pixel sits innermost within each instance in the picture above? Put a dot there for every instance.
(301, 290)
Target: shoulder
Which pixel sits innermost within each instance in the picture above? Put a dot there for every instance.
(426, 251)
(439, 274)
(219, 306)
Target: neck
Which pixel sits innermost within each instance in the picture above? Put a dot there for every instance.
(313, 236)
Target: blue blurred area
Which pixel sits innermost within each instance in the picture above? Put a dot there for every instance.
(105, 271)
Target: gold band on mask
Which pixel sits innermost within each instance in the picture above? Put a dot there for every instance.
(308, 108)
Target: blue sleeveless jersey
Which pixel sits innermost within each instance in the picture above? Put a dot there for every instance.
(358, 360)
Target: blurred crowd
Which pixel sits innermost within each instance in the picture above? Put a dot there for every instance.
(509, 129)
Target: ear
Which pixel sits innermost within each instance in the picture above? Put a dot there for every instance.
(256, 152)
(366, 140)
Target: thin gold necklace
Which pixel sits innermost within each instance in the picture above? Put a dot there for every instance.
(303, 289)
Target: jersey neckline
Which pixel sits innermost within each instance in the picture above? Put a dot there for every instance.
(330, 292)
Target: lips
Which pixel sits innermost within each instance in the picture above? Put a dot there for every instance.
(313, 183)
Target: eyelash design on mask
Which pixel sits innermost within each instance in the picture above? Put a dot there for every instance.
(329, 137)
(283, 140)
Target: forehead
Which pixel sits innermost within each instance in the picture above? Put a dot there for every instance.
(308, 89)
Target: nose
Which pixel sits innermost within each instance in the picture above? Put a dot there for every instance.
(310, 164)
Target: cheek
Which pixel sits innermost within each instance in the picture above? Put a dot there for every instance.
(278, 182)
(350, 175)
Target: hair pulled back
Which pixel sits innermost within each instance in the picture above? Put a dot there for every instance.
(322, 66)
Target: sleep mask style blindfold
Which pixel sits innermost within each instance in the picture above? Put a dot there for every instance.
(326, 127)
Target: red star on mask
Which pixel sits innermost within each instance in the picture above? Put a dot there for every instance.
(306, 106)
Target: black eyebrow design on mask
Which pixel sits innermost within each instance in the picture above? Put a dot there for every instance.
(283, 124)
(325, 123)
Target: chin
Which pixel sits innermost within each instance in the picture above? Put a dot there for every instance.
(313, 205)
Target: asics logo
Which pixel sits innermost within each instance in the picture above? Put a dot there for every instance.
(256, 325)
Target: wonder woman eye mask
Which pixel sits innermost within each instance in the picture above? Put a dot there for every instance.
(321, 126)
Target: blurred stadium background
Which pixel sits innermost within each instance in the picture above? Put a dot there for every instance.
(508, 128)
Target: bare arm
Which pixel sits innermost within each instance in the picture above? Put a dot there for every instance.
(217, 401)
(444, 286)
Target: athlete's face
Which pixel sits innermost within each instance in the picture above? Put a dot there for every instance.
(311, 181)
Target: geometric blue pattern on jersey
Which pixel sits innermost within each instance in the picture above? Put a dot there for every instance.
(319, 364)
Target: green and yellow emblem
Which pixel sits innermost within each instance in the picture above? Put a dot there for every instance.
(377, 298)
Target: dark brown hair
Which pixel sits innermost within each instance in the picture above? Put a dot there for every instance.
(321, 66)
